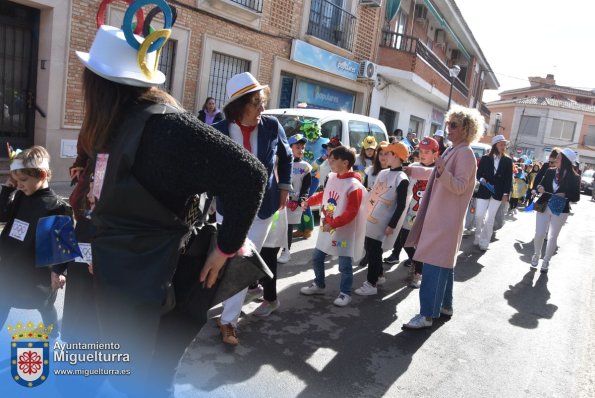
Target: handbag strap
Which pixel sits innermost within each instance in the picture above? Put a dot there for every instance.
(196, 216)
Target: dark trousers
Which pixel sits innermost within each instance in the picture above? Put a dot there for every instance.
(269, 255)
(290, 235)
(374, 251)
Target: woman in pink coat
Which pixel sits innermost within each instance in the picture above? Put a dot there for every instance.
(438, 228)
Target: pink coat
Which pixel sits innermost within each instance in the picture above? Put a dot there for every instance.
(438, 228)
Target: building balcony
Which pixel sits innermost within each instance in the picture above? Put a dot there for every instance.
(483, 109)
(404, 52)
(254, 5)
(332, 24)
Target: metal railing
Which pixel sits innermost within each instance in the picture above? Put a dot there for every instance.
(412, 45)
(331, 23)
(254, 5)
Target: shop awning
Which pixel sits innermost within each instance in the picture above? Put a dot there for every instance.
(392, 7)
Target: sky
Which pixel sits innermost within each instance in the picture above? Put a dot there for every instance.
(522, 38)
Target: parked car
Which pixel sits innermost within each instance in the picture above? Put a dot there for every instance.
(480, 150)
(587, 181)
(351, 128)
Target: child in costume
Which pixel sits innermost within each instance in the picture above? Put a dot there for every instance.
(25, 198)
(301, 179)
(418, 173)
(366, 155)
(342, 224)
(385, 206)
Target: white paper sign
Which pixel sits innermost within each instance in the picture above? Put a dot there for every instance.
(86, 252)
(19, 229)
(67, 149)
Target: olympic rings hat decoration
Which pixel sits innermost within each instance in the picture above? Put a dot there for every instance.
(241, 84)
(120, 55)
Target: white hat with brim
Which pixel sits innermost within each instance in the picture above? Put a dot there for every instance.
(112, 58)
(439, 133)
(498, 138)
(569, 154)
(240, 85)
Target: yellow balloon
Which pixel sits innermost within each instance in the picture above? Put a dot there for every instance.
(144, 47)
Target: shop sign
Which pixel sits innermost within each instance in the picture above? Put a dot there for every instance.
(327, 61)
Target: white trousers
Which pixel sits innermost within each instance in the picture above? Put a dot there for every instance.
(232, 307)
(485, 214)
(543, 222)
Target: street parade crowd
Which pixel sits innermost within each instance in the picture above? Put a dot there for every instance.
(155, 186)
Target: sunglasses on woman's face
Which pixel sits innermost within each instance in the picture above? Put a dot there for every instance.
(452, 125)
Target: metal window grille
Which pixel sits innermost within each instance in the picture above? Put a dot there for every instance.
(167, 63)
(255, 5)
(223, 67)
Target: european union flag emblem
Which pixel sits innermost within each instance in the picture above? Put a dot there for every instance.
(55, 242)
(556, 204)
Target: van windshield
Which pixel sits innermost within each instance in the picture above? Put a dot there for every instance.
(292, 123)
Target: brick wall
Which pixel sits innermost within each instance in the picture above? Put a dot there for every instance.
(367, 33)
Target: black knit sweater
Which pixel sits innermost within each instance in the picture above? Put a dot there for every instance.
(179, 156)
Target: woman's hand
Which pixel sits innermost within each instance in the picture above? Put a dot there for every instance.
(57, 281)
(407, 170)
(283, 195)
(505, 198)
(389, 231)
(212, 266)
(75, 172)
(440, 165)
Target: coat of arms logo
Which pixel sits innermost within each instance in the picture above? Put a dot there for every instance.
(30, 353)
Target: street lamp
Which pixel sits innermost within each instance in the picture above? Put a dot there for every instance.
(453, 72)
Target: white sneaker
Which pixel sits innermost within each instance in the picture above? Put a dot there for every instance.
(545, 266)
(418, 322)
(416, 282)
(253, 294)
(366, 290)
(381, 281)
(342, 300)
(312, 289)
(476, 240)
(446, 311)
(284, 257)
(534, 261)
(266, 308)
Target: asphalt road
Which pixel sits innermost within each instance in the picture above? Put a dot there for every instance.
(515, 332)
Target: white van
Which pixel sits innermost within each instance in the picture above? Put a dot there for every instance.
(351, 128)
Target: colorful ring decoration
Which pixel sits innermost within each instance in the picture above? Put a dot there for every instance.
(150, 41)
(147, 28)
(127, 24)
(140, 16)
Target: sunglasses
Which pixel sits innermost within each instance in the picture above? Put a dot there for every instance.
(452, 125)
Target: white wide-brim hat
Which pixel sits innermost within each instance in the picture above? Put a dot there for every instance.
(112, 58)
(439, 133)
(498, 138)
(570, 155)
(240, 85)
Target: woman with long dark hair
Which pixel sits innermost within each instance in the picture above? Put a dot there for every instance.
(149, 157)
(494, 173)
(209, 112)
(561, 181)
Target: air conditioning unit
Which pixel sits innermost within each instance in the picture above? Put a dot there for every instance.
(421, 13)
(367, 70)
(370, 3)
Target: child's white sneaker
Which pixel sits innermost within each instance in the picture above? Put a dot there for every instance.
(312, 289)
(366, 290)
(284, 257)
(342, 300)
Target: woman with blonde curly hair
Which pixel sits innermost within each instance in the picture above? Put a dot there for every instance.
(442, 216)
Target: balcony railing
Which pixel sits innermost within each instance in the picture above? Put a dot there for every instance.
(412, 45)
(331, 23)
(254, 5)
(484, 109)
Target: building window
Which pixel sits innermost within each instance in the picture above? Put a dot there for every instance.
(416, 125)
(590, 137)
(529, 126)
(254, 5)
(167, 63)
(389, 119)
(562, 129)
(223, 67)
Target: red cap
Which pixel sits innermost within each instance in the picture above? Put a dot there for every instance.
(429, 143)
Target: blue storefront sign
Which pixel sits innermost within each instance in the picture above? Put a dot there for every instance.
(319, 96)
(327, 61)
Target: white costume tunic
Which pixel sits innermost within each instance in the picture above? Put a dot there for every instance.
(417, 187)
(346, 240)
(299, 170)
(382, 202)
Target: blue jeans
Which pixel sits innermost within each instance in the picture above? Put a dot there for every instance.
(435, 290)
(345, 267)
